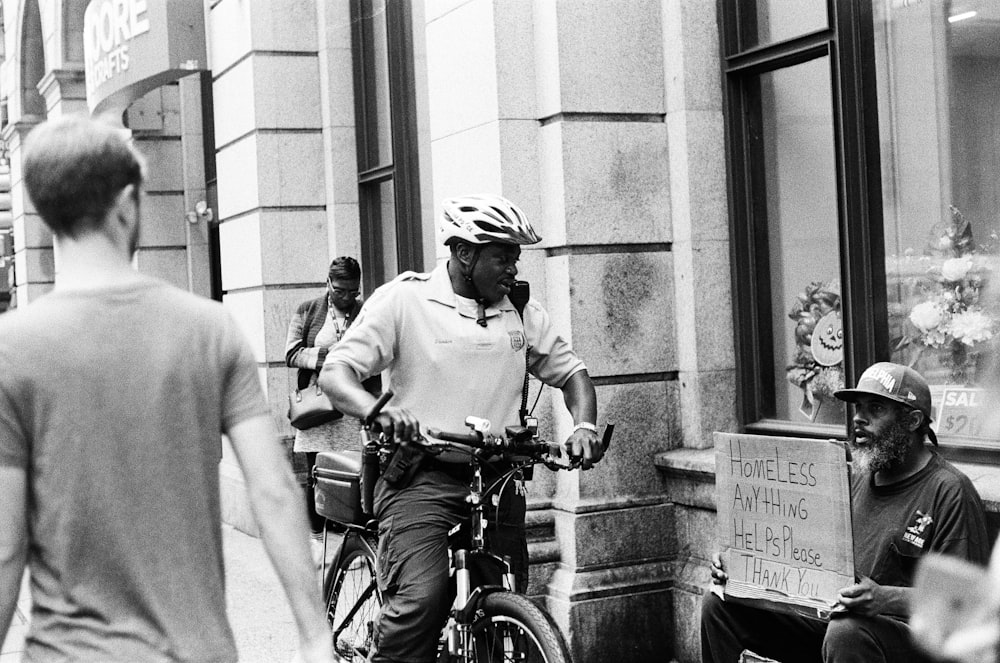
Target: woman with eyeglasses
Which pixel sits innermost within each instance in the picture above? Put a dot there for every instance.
(318, 324)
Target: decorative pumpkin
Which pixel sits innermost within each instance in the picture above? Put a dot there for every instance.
(828, 340)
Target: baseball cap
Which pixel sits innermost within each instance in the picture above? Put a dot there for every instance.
(893, 382)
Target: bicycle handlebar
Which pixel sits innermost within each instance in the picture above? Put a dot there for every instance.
(377, 407)
(468, 439)
(477, 440)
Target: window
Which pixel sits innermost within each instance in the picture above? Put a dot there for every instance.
(388, 192)
(938, 74)
(804, 208)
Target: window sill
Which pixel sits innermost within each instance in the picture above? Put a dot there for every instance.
(690, 478)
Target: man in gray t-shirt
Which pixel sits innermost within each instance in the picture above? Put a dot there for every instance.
(114, 392)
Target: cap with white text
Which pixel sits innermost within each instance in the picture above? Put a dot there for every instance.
(894, 382)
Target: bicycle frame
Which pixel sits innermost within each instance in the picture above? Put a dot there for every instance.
(457, 633)
(474, 597)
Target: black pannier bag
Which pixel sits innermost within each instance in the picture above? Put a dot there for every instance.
(338, 487)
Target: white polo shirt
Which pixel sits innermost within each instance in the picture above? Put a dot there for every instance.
(440, 363)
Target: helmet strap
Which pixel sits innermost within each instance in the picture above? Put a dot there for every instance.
(480, 300)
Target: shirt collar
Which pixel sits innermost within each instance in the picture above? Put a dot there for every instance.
(440, 291)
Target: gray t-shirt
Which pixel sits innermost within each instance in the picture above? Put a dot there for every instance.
(113, 400)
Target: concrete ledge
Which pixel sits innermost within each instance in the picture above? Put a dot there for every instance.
(696, 464)
(689, 476)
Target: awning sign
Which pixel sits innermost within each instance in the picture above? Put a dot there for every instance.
(134, 46)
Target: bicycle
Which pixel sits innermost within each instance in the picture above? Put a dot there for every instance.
(487, 622)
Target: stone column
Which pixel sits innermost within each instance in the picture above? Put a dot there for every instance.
(702, 278)
(606, 204)
(155, 121)
(34, 264)
(340, 157)
(271, 186)
(198, 214)
(64, 91)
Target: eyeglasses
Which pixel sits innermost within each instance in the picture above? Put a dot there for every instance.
(340, 292)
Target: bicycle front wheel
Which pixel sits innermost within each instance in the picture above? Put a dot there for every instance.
(352, 599)
(512, 628)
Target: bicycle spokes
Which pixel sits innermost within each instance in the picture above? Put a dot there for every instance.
(353, 609)
(502, 641)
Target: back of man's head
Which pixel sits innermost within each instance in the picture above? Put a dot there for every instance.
(74, 168)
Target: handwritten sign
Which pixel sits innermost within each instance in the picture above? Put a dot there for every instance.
(965, 412)
(784, 519)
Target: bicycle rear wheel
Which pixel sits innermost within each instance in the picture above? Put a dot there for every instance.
(512, 628)
(352, 599)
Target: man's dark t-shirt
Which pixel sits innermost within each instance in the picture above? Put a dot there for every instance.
(935, 510)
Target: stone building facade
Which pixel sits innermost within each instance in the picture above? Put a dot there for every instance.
(310, 129)
(602, 120)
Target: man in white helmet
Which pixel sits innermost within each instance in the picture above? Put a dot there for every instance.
(451, 344)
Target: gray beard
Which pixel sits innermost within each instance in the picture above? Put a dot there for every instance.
(884, 451)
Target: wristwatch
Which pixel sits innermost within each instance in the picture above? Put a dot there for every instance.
(585, 425)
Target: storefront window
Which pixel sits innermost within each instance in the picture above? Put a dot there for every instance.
(938, 66)
(805, 209)
(799, 169)
(778, 20)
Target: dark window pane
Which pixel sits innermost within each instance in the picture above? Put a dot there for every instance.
(778, 20)
(801, 202)
(387, 211)
(377, 122)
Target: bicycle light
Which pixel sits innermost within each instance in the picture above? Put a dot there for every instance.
(478, 424)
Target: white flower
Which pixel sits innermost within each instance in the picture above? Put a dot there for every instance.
(971, 327)
(955, 269)
(926, 316)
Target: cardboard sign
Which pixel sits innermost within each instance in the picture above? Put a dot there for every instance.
(784, 519)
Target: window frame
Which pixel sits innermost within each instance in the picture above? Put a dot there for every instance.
(403, 168)
(848, 42)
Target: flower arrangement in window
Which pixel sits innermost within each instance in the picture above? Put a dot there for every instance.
(817, 367)
(950, 318)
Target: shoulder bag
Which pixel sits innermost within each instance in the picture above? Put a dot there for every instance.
(309, 407)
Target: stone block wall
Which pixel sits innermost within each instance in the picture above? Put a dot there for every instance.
(573, 111)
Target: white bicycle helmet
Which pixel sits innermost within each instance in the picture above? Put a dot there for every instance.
(483, 219)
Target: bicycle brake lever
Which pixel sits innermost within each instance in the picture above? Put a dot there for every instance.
(561, 463)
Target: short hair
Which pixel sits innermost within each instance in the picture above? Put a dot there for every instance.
(74, 168)
(344, 268)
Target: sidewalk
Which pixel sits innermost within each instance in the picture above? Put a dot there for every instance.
(261, 619)
(14, 644)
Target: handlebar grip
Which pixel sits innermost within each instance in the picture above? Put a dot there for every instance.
(609, 429)
(377, 407)
(469, 439)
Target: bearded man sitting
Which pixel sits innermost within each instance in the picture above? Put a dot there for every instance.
(906, 501)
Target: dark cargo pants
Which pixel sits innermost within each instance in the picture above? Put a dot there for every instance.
(413, 558)
(728, 628)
